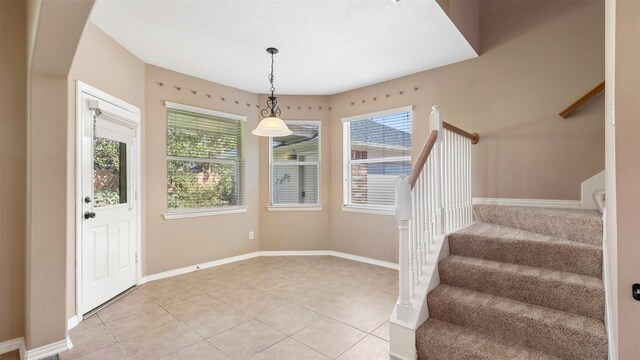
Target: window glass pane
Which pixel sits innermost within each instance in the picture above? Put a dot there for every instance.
(196, 184)
(302, 145)
(295, 184)
(205, 167)
(109, 172)
(374, 183)
(381, 137)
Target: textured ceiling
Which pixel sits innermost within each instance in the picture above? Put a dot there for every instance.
(326, 46)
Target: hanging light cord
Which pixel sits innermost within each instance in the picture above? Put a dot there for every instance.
(273, 89)
(272, 109)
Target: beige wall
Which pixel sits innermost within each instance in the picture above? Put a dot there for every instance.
(627, 167)
(538, 57)
(13, 136)
(297, 230)
(465, 15)
(104, 64)
(171, 244)
(54, 44)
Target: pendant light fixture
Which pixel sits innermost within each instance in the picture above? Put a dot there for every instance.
(271, 125)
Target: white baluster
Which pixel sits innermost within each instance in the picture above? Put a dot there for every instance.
(415, 244)
(435, 123)
(425, 212)
(403, 216)
(469, 184)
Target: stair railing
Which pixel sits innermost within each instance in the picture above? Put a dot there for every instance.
(434, 200)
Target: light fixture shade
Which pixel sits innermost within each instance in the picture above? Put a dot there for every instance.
(273, 127)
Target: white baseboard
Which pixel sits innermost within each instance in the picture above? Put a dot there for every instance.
(339, 254)
(363, 259)
(48, 350)
(72, 322)
(12, 345)
(188, 269)
(564, 204)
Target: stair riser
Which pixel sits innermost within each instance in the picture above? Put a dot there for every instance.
(577, 259)
(512, 325)
(586, 299)
(436, 340)
(584, 229)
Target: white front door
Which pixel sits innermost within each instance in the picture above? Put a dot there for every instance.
(109, 219)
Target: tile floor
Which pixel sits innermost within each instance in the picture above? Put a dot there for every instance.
(274, 308)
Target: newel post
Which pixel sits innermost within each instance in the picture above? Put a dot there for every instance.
(403, 215)
(435, 123)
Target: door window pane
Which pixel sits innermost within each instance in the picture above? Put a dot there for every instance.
(109, 172)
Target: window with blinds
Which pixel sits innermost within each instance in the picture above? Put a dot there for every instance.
(205, 167)
(295, 166)
(377, 149)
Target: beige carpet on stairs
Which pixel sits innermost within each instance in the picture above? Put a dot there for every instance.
(507, 292)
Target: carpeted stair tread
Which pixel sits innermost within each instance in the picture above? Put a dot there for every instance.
(438, 340)
(578, 225)
(560, 333)
(509, 245)
(579, 294)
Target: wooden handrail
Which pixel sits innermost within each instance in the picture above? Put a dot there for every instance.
(474, 137)
(422, 158)
(586, 97)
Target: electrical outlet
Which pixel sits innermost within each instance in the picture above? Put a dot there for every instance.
(250, 235)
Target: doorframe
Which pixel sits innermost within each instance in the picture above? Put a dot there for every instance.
(83, 88)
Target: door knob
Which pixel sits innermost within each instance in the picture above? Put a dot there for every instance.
(89, 215)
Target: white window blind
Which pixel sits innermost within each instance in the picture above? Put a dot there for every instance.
(377, 149)
(295, 166)
(205, 161)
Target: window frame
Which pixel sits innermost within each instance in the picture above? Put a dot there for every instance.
(172, 214)
(347, 204)
(297, 207)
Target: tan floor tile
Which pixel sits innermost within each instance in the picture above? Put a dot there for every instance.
(203, 350)
(361, 316)
(212, 283)
(200, 274)
(390, 287)
(216, 320)
(126, 307)
(289, 349)
(259, 303)
(325, 302)
(172, 293)
(160, 341)
(381, 300)
(294, 292)
(113, 352)
(138, 324)
(231, 294)
(329, 337)
(266, 282)
(157, 284)
(369, 348)
(382, 332)
(87, 341)
(193, 306)
(245, 340)
(92, 320)
(290, 318)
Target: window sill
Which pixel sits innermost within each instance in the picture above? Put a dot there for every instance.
(295, 208)
(365, 210)
(191, 214)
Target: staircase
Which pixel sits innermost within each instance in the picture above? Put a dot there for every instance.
(520, 283)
